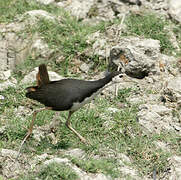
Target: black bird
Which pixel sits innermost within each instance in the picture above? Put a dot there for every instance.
(66, 94)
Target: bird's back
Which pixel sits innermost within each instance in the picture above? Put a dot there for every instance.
(64, 94)
(60, 95)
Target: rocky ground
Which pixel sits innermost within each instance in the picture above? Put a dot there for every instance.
(135, 134)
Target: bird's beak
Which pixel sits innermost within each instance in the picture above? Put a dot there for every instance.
(126, 78)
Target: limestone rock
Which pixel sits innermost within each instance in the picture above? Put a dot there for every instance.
(38, 134)
(128, 171)
(56, 160)
(8, 152)
(5, 75)
(175, 169)
(135, 56)
(2, 97)
(14, 48)
(173, 89)
(78, 153)
(46, 2)
(84, 67)
(78, 8)
(35, 15)
(155, 118)
(2, 129)
(31, 77)
(175, 9)
(5, 85)
(40, 48)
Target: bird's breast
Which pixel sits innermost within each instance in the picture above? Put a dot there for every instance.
(77, 105)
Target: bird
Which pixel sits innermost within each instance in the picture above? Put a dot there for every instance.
(66, 94)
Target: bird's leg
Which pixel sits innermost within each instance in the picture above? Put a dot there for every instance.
(68, 124)
(30, 129)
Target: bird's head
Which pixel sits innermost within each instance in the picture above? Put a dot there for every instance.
(122, 77)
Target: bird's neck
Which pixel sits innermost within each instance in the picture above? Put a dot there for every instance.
(108, 78)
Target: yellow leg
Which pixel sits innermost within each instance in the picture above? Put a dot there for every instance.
(68, 124)
(30, 129)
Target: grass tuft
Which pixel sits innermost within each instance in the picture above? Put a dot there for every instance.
(150, 26)
(53, 171)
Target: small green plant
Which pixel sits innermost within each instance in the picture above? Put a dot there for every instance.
(94, 11)
(123, 94)
(105, 166)
(53, 171)
(9, 9)
(108, 132)
(150, 26)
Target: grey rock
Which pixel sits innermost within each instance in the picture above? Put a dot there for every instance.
(175, 168)
(46, 2)
(113, 110)
(38, 134)
(173, 89)
(22, 112)
(2, 129)
(155, 118)
(14, 48)
(135, 56)
(40, 158)
(128, 171)
(2, 97)
(31, 77)
(160, 109)
(99, 176)
(101, 48)
(124, 158)
(84, 67)
(52, 138)
(83, 175)
(5, 85)
(56, 160)
(40, 48)
(54, 76)
(175, 9)
(159, 6)
(34, 16)
(162, 145)
(4, 75)
(106, 10)
(78, 8)
(78, 153)
(8, 152)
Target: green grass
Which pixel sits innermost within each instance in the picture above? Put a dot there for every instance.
(53, 171)
(122, 135)
(150, 26)
(108, 133)
(9, 9)
(66, 36)
(105, 166)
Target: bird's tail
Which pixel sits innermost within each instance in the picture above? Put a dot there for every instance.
(42, 76)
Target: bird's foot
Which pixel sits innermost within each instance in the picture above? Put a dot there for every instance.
(83, 140)
(22, 143)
